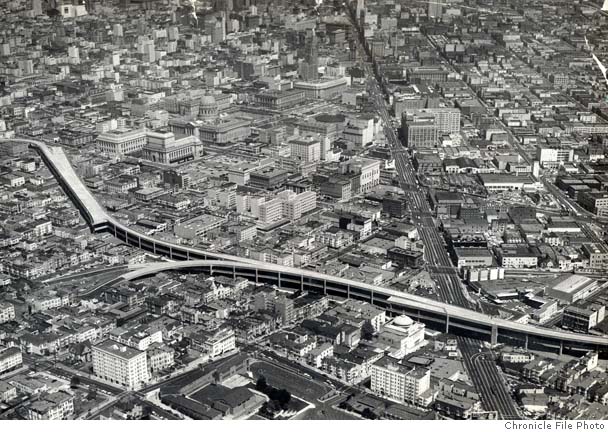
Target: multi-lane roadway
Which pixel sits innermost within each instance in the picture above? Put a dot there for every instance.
(488, 380)
(437, 260)
(483, 371)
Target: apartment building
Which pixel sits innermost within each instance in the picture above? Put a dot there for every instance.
(52, 406)
(401, 383)
(7, 312)
(10, 358)
(306, 149)
(120, 364)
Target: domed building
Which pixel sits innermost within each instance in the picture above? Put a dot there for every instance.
(208, 108)
(403, 336)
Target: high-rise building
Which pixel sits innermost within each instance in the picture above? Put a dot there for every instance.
(306, 149)
(421, 131)
(360, 8)
(37, 7)
(553, 156)
(294, 205)
(446, 119)
(435, 9)
(271, 211)
(7, 312)
(26, 67)
(120, 364)
(117, 30)
(173, 33)
(149, 52)
(309, 68)
(398, 382)
(283, 307)
(73, 52)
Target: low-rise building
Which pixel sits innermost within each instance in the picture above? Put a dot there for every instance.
(7, 312)
(10, 358)
(402, 336)
(7, 391)
(52, 406)
(160, 357)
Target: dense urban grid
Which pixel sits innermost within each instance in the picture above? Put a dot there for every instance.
(276, 209)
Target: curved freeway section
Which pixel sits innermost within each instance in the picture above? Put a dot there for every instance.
(445, 317)
(97, 217)
(437, 314)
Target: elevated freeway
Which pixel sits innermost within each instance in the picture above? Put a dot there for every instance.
(438, 315)
(445, 317)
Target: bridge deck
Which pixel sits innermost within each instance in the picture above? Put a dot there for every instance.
(62, 166)
(394, 296)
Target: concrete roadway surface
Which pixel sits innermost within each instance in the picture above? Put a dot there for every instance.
(449, 286)
(81, 275)
(488, 380)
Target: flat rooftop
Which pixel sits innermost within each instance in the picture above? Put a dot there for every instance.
(572, 283)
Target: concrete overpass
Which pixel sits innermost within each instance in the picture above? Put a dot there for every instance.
(97, 217)
(435, 314)
(438, 315)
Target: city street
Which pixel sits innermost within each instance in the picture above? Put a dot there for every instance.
(448, 285)
(488, 380)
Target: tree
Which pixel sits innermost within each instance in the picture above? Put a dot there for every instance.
(92, 394)
(368, 414)
(283, 397)
(75, 381)
(367, 331)
(261, 385)
(146, 412)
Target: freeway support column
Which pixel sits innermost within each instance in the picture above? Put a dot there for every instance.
(494, 337)
(526, 346)
(561, 347)
(279, 280)
(324, 286)
(447, 323)
(348, 291)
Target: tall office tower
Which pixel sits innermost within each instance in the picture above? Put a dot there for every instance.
(26, 67)
(149, 52)
(37, 7)
(173, 33)
(421, 131)
(309, 69)
(435, 9)
(117, 30)
(360, 7)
